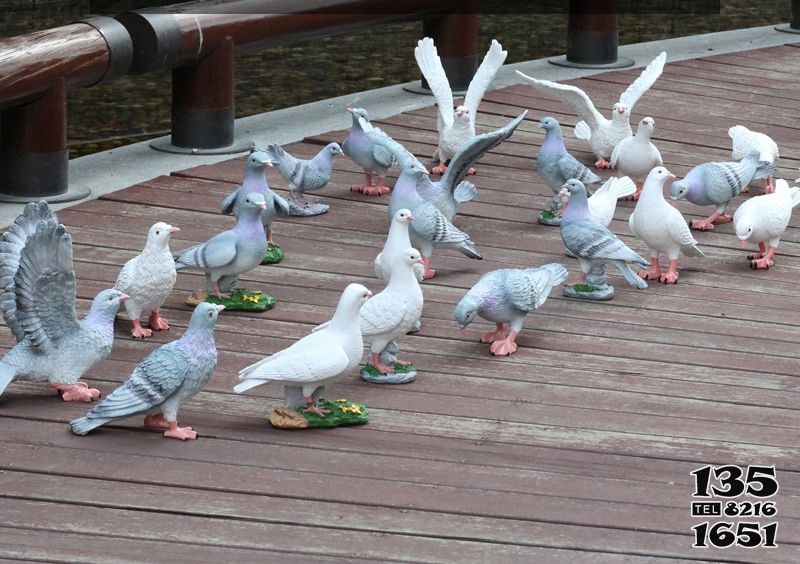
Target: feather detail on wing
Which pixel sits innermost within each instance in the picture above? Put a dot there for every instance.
(643, 83)
(431, 224)
(572, 96)
(745, 141)
(45, 286)
(431, 67)
(286, 162)
(492, 61)
(381, 314)
(217, 252)
(680, 233)
(386, 150)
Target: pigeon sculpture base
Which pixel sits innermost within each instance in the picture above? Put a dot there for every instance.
(403, 374)
(342, 413)
(603, 292)
(240, 299)
(548, 217)
(274, 254)
(311, 208)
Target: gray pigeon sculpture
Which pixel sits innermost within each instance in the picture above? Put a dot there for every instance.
(165, 379)
(430, 228)
(593, 244)
(255, 180)
(304, 176)
(556, 166)
(38, 304)
(506, 296)
(716, 184)
(374, 159)
(231, 253)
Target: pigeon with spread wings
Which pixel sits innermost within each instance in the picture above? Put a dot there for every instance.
(601, 133)
(456, 126)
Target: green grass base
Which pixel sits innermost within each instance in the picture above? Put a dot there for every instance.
(273, 255)
(237, 301)
(547, 214)
(398, 368)
(339, 416)
(586, 288)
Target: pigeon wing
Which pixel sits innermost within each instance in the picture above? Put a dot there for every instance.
(45, 287)
(643, 83)
(311, 359)
(431, 225)
(383, 314)
(679, 230)
(474, 149)
(431, 67)
(280, 203)
(492, 61)
(154, 380)
(572, 96)
(217, 252)
(287, 164)
(227, 204)
(592, 240)
(528, 290)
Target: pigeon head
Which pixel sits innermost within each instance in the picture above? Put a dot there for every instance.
(467, 309)
(204, 317)
(461, 113)
(578, 208)
(409, 257)
(358, 113)
(106, 304)
(353, 297)
(680, 188)
(646, 126)
(416, 169)
(403, 216)
(258, 160)
(620, 110)
(744, 230)
(251, 201)
(158, 236)
(548, 123)
(660, 175)
(575, 188)
(333, 149)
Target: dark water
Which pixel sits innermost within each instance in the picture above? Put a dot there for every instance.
(136, 108)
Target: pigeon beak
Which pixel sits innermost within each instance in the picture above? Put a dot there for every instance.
(410, 217)
(123, 297)
(672, 176)
(621, 111)
(351, 110)
(262, 206)
(539, 125)
(174, 229)
(268, 163)
(744, 243)
(220, 307)
(425, 170)
(462, 327)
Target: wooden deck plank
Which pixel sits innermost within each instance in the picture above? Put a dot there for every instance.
(579, 447)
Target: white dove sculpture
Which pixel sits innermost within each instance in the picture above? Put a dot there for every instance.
(661, 227)
(745, 140)
(332, 350)
(397, 241)
(456, 126)
(763, 220)
(602, 134)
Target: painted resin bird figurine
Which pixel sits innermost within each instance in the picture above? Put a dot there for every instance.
(148, 279)
(430, 228)
(603, 202)
(255, 180)
(763, 219)
(38, 303)
(662, 227)
(231, 253)
(505, 297)
(376, 160)
(716, 184)
(397, 241)
(636, 156)
(318, 359)
(456, 126)
(163, 381)
(745, 140)
(556, 165)
(304, 175)
(594, 244)
(602, 134)
(394, 311)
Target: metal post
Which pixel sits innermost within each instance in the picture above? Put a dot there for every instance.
(794, 25)
(456, 39)
(592, 36)
(203, 106)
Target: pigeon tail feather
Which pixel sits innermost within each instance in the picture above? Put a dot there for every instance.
(83, 425)
(795, 194)
(632, 278)
(765, 169)
(692, 251)
(7, 375)
(557, 272)
(247, 384)
(469, 249)
(583, 131)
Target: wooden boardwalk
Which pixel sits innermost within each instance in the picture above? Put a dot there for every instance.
(578, 448)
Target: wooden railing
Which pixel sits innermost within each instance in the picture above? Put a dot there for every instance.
(197, 42)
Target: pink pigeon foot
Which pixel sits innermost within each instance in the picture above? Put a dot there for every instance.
(382, 368)
(79, 391)
(139, 332)
(710, 223)
(429, 272)
(362, 187)
(654, 273)
(493, 336)
(505, 347)
(156, 422)
(471, 170)
(765, 262)
(761, 247)
(770, 188)
(322, 412)
(217, 291)
(440, 168)
(672, 275)
(602, 163)
(157, 322)
(180, 433)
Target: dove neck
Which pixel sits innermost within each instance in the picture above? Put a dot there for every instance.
(98, 317)
(249, 221)
(643, 133)
(323, 160)
(345, 318)
(199, 337)
(553, 140)
(406, 186)
(255, 177)
(578, 207)
(652, 191)
(402, 276)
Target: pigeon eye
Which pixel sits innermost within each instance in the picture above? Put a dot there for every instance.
(247, 201)
(110, 298)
